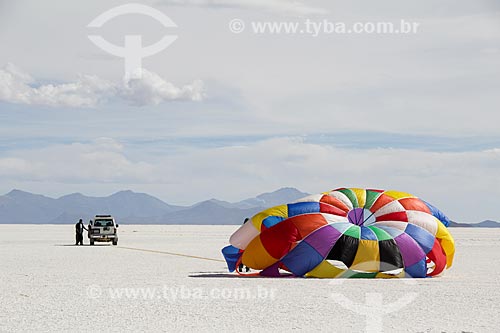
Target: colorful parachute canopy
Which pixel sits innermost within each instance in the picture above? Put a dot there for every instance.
(348, 232)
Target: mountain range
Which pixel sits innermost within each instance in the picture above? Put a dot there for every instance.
(483, 224)
(20, 207)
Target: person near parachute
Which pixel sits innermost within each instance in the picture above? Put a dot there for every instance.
(241, 266)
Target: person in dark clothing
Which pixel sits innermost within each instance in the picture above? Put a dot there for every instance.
(79, 227)
(89, 228)
(240, 266)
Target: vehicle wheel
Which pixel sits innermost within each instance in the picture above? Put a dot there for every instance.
(91, 242)
(115, 242)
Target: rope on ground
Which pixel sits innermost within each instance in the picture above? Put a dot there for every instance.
(170, 253)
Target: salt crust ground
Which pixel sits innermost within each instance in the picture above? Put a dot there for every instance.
(47, 284)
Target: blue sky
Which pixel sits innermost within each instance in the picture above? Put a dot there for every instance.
(229, 116)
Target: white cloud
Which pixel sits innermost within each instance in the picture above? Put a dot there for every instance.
(463, 184)
(19, 87)
(152, 89)
(102, 160)
(274, 6)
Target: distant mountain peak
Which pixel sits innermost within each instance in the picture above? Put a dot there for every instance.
(73, 195)
(281, 196)
(16, 192)
(124, 192)
(214, 202)
(131, 195)
(283, 191)
(19, 194)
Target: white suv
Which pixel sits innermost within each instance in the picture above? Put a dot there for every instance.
(103, 229)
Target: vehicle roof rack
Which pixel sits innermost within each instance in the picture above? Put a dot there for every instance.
(103, 216)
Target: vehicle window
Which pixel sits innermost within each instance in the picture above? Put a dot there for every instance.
(102, 223)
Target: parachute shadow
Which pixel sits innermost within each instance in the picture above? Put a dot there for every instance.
(213, 275)
(80, 245)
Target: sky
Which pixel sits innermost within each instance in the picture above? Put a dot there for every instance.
(229, 115)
